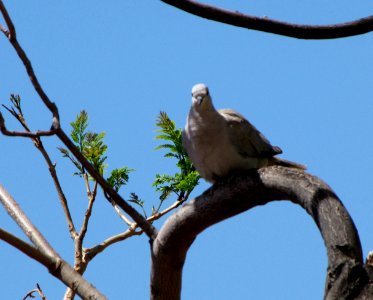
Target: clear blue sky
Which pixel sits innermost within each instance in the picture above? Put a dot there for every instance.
(125, 61)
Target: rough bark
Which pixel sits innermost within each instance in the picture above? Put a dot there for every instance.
(347, 276)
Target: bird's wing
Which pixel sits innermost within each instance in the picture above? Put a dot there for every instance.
(246, 138)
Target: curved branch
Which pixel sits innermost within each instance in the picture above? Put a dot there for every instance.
(244, 191)
(265, 24)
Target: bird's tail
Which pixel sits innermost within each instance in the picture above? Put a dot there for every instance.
(275, 161)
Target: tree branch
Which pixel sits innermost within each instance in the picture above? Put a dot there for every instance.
(22, 246)
(43, 252)
(245, 191)
(27, 134)
(90, 253)
(16, 112)
(264, 24)
(148, 228)
(38, 290)
(11, 32)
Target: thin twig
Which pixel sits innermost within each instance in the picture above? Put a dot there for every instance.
(61, 194)
(121, 214)
(28, 134)
(87, 215)
(37, 290)
(30, 294)
(265, 24)
(52, 168)
(79, 265)
(90, 253)
(41, 292)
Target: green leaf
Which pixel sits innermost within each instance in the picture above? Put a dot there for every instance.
(119, 178)
(187, 178)
(66, 153)
(135, 199)
(90, 144)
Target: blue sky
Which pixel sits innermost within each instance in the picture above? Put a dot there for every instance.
(125, 61)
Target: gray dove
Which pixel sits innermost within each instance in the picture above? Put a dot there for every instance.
(221, 141)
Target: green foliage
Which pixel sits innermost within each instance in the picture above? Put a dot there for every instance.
(94, 150)
(119, 177)
(92, 146)
(185, 180)
(135, 199)
(79, 130)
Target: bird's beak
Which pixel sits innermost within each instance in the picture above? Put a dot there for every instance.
(199, 99)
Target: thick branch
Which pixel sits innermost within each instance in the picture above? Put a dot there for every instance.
(265, 24)
(22, 246)
(43, 252)
(24, 223)
(240, 193)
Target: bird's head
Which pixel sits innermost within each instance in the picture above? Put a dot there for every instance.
(201, 99)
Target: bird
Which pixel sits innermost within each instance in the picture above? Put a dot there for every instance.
(219, 142)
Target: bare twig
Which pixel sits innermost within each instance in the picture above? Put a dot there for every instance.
(17, 113)
(30, 294)
(28, 134)
(37, 290)
(61, 194)
(79, 239)
(91, 200)
(265, 24)
(121, 214)
(90, 253)
(148, 228)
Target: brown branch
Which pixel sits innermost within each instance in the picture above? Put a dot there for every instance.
(52, 169)
(148, 228)
(79, 265)
(122, 215)
(264, 24)
(37, 290)
(90, 253)
(43, 252)
(27, 134)
(60, 193)
(13, 209)
(11, 32)
(245, 191)
(22, 246)
(30, 294)
(137, 217)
